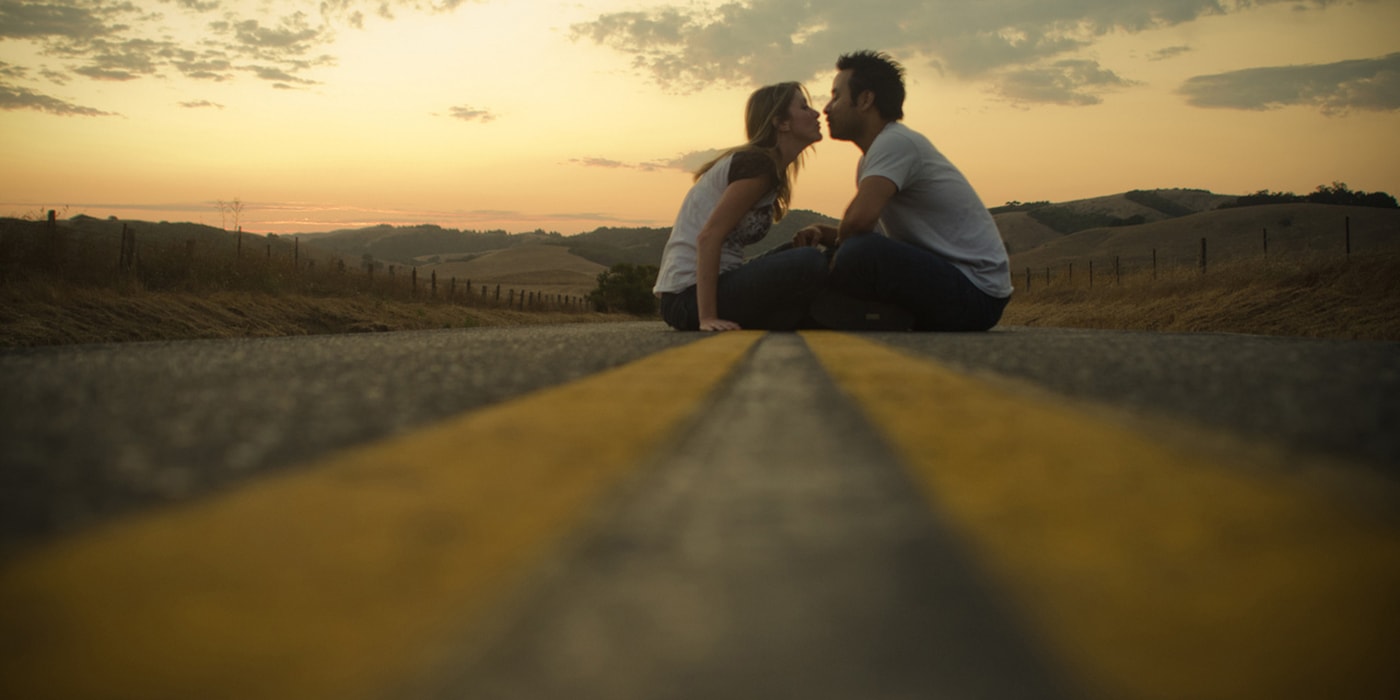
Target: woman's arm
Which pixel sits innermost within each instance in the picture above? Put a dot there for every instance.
(738, 198)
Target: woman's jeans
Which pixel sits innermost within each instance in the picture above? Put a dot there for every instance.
(770, 292)
(940, 297)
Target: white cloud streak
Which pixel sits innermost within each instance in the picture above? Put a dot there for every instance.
(686, 162)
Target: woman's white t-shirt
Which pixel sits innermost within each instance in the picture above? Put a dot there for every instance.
(679, 258)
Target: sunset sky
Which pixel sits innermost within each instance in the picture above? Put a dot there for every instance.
(567, 116)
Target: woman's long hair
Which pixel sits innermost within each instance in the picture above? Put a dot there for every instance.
(767, 106)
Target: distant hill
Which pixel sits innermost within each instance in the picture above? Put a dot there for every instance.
(538, 267)
(409, 244)
(1026, 226)
(1130, 225)
(606, 246)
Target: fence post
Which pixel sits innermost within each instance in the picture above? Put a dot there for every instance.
(434, 284)
(127, 258)
(1203, 256)
(414, 275)
(1028, 280)
(498, 292)
(1117, 276)
(1091, 274)
(1266, 242)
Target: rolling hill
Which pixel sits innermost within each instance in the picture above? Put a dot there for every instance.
(539, 268)
(1038, 235)
(1230, 233)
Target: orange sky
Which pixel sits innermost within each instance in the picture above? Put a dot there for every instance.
(567, 116)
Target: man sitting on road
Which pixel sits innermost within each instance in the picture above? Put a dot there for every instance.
(916, 248)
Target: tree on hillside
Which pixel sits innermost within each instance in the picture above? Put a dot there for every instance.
(1339, 193)
(626, 287)
(1336, 193)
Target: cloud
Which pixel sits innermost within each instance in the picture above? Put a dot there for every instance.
(686, 162)
(72, 19)
(282, 43)
(600, 163)
(468, 113)
(1333, 88)
(14, 97)
(1168, 53)
(199, 104)
(1066, 82)
(686, 46)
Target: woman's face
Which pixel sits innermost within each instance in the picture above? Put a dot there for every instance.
(804, 121)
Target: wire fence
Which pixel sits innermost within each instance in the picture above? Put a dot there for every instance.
(130, 258)
(1148, 264)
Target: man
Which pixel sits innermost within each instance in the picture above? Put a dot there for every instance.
(916, 248)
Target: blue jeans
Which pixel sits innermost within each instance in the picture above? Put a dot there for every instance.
(770, 292)
(940, 297)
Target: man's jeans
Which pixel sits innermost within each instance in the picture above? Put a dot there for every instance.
(941, 298)
(770, 292)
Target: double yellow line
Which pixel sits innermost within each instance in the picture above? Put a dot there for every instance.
(1146, 572)
(1150, 572)
(342, 578)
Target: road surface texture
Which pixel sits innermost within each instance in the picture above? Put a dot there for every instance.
(623, 511)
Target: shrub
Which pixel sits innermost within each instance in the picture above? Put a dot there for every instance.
(626, 287)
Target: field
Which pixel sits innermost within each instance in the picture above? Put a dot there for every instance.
(1288, 269)
(1310, 296)
(544, 269)
(1285, 269)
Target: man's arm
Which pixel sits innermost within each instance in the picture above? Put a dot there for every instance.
(863, 213)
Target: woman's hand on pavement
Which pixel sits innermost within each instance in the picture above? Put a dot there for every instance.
(718, 324)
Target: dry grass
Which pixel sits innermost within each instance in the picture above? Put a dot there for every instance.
(62, 285)
(1357, 298)
(44, 315)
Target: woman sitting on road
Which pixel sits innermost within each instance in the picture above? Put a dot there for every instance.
(704, 283)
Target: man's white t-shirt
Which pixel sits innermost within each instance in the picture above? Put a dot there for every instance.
(936, 208)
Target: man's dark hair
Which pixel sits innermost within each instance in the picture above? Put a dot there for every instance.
(876, 72)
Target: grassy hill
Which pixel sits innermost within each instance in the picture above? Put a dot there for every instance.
(540, 268)
(409, 245)
(1230, 234)
(1027, 226)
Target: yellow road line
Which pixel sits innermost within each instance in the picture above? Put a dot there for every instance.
(338, 580)
(1151, 573)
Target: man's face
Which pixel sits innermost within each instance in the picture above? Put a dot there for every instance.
(842, 119)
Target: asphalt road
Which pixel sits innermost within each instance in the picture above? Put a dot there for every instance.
(1022, 513)
(94, 431)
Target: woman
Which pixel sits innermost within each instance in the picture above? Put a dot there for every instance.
(704, 283)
